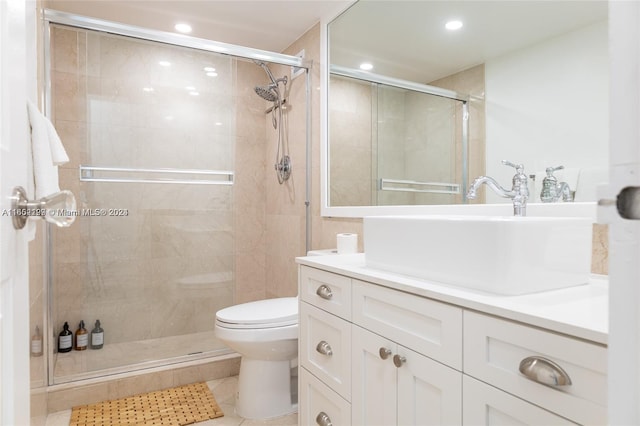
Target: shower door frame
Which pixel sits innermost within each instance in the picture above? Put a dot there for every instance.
(88, 23)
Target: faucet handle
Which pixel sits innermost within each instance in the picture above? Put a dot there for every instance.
(519, 167)
(550, 170)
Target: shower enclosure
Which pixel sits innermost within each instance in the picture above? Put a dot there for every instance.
(153, 126)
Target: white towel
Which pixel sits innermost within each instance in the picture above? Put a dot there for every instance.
(47, 151)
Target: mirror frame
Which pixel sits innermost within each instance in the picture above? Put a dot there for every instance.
(580, 209)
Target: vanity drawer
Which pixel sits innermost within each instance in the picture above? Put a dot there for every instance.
(326, 290)
(485, 405)
(325, 348)
(319, 405)
(428, 327)
(494, 348)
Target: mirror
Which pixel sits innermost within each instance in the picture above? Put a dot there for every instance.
(535, 76)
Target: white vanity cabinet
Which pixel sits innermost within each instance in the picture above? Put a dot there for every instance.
(379, 354)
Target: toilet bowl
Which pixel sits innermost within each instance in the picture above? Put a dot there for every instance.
(265, 334)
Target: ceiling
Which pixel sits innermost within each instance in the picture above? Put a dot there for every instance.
(261, 24)
(407, 39)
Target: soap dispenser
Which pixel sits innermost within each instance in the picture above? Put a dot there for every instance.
(82, 337)
(65, 339)
(36, 343)
(97, 336)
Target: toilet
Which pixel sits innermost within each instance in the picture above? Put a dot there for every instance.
(265, 333)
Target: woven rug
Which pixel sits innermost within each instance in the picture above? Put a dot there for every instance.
(183, 405)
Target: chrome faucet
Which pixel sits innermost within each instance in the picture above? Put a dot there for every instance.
(552, 190)
(519, 193)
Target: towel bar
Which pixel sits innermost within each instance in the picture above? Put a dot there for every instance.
(132, 175)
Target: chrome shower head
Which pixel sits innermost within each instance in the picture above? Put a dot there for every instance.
(268, 93)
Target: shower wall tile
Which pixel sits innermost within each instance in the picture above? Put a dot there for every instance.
(251, 281)
(69, 94)
(73, 131)
(65, 57)
(281, 276)
(249, 187)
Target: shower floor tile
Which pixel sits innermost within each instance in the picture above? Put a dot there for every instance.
(224, 391)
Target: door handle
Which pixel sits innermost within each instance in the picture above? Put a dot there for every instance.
(58, 208)
(627, 203)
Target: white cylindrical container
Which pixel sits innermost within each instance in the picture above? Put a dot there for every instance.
(347, 243)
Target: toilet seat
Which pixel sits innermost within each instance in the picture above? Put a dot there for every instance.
(269, 313)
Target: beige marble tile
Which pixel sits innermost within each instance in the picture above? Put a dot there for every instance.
(600, 255)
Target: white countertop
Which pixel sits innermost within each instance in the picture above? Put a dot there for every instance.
(580, 311)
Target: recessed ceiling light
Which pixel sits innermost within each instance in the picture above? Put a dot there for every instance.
(183, 28)
(366, 66)
(453, 25)
(164, 63)
(212, 74)
(194, 93)
(148, 89)
(209, 69)
(190, 88)
(218, 123)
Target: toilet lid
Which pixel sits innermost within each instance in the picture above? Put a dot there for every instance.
(267, 313)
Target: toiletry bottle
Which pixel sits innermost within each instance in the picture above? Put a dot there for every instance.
(97, 336)
(36, 343)
(65, 339)
(82, 337)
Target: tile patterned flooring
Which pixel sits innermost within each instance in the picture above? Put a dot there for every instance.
(224, 391)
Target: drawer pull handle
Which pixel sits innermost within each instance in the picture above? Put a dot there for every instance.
(325, 292)
(323, 419)
(324, 348)
(384, 353)
(399, 360)
(544, 371)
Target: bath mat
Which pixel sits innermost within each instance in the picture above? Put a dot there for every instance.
(183, 405)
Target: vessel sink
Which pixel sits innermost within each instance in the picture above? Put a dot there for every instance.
(505, 255)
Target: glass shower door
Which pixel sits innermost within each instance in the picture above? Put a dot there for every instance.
(150, 130)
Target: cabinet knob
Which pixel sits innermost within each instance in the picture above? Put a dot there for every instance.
(544, 371)
(399, 360)
(324, 348)
(323, 419)
(384, 353)
(325, 292)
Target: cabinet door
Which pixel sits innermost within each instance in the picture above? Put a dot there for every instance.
(374, 389)
(486, 405)
(429, 393)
